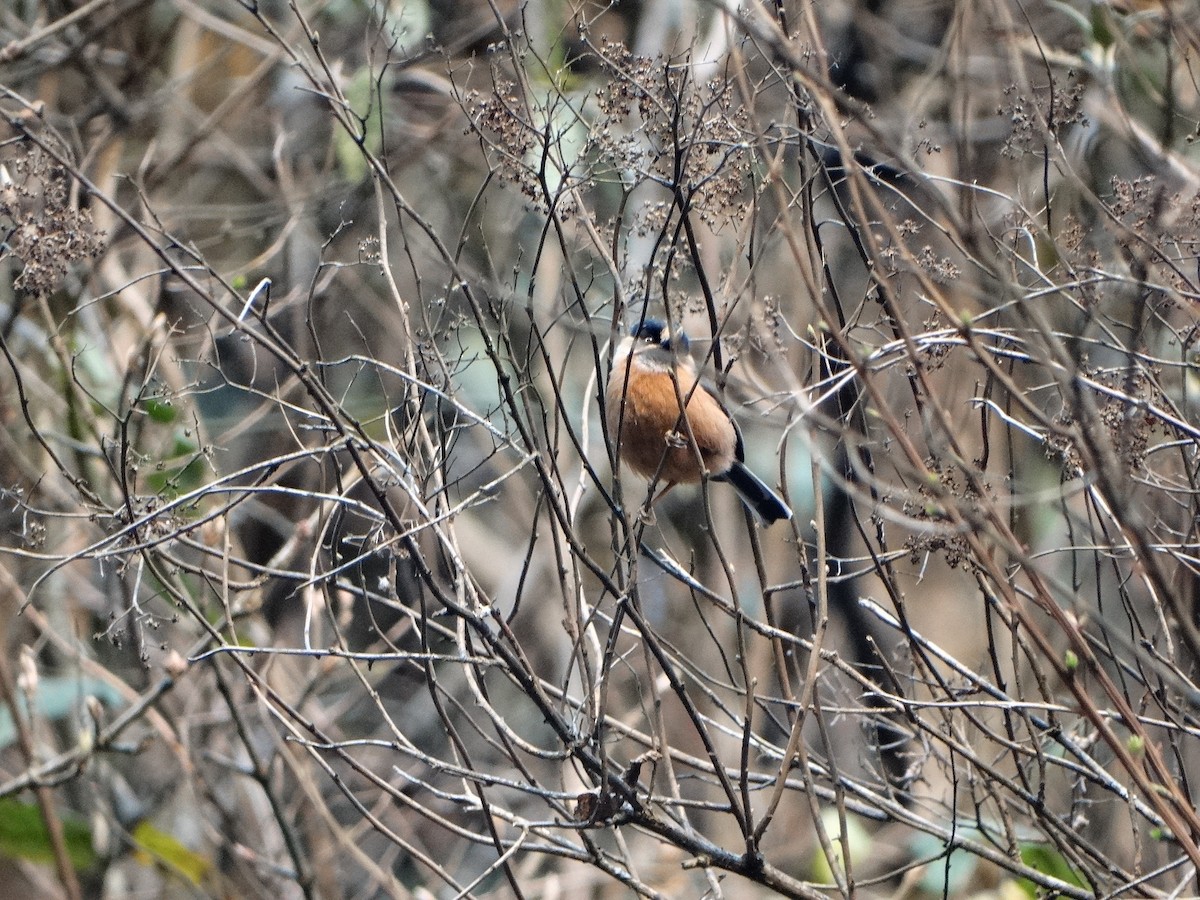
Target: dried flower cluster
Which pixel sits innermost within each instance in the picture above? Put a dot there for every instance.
(44, 229)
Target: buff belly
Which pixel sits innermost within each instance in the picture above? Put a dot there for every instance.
(652, 434)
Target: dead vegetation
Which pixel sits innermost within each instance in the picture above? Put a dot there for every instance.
(316, 578)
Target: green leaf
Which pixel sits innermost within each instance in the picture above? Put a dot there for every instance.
(156, 846)
(362, 96)
(860, 841)
(1050, 862)
(163, 413)
(171, 481)
(1102, 25)
(23, 835)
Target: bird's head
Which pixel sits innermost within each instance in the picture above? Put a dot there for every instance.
(654, 333)
(652, 345)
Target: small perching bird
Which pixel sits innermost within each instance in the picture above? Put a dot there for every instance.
(651, 374)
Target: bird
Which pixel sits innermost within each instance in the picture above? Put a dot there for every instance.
(651, 373)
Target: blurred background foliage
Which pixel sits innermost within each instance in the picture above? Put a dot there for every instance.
(316, 575)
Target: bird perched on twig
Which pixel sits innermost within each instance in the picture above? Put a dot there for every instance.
(651, 383)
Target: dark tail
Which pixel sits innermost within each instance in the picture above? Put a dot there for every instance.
(763, 501)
